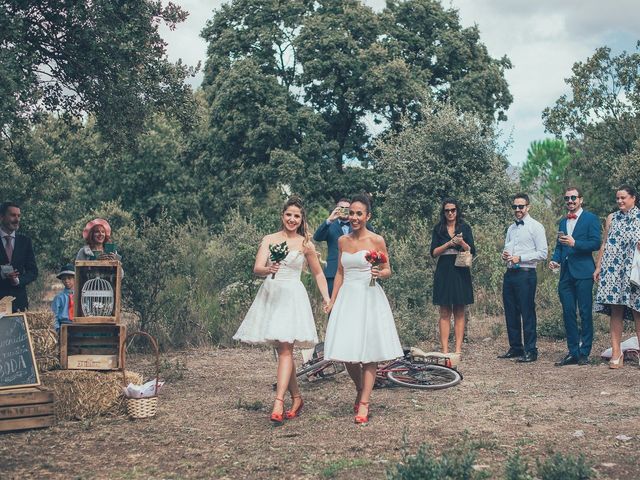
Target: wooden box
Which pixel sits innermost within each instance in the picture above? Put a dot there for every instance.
(92, 347)
(6, 305)
(24, 408)
(96, 297)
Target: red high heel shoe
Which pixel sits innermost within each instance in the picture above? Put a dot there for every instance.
(278, 418)
(357, 402)
(290, 414)
(359, 419)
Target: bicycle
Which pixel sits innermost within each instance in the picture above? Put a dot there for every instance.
(416, 369)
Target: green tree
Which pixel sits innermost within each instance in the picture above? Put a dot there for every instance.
(78, 57)
(545, 170)
(446, 154)
(599, 119)
(353, 66)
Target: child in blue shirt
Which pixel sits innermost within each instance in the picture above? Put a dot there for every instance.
(62, 305)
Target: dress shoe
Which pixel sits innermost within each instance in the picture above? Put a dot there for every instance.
(583, 360)
(567, 360)
(617, 363)
(291, 414)
(512, 353)
(277, 418)
(528, 357)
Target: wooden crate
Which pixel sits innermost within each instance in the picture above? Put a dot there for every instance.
(92, 347)
(25, 408)
(6, 305)
(89, 270)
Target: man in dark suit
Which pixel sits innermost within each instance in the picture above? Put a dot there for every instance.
(17, 260)
(578, 238)
(336, 225)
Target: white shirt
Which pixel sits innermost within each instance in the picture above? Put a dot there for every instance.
(528, 241)
(571, 222)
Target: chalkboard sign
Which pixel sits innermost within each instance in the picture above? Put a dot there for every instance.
(18, 366)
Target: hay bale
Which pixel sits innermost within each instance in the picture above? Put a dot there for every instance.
(45, 348)
(82, 394)
(40, 319)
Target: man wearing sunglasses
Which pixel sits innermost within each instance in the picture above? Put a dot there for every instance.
(578, 238)
(525, 245)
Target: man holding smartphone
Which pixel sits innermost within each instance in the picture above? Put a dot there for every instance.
(578, 238)
(525, 245)
(17, 261)
(336, 225)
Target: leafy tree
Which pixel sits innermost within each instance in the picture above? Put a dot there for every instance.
(545, 170)
(447, 154)
(100, 56)
(353, 66)
(600, 121)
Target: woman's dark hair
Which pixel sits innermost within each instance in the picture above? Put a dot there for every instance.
(364, 199)
(630, 190)
(442, 226)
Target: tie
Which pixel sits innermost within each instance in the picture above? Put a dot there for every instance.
(571, 215)
(519, 222)
(71, 306)
(344, 224)
(8, 247)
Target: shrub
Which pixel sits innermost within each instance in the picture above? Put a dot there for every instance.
(559, 467)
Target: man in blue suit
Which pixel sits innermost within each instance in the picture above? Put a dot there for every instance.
(336, 225)
(578, 238)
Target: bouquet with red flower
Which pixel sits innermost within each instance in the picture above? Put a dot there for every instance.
(375, 258)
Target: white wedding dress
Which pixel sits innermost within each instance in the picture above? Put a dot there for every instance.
(361, 326)
(281, 311)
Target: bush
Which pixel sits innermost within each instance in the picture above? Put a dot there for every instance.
(559, 467)
(456, 464)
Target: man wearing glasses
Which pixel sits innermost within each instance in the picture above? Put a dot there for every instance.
(524, 246)
(578, 238)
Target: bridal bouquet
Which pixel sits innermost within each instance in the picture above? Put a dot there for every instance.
(375, 258)
(279, 252)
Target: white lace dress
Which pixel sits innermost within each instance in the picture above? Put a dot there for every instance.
(281, 311)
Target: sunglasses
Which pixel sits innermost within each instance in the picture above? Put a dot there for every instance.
(518, 207)
(573, 198)
(449, 210)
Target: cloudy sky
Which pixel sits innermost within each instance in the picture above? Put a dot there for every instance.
(543, 38)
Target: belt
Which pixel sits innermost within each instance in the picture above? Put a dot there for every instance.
(521, 269)
(450, 251)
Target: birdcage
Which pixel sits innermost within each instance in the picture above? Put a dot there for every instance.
(97, 298)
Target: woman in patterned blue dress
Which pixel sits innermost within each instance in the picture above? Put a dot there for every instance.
(617, 296)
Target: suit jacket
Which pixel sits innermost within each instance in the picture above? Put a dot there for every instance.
(330, 233)
(579, 258)
(23, 260)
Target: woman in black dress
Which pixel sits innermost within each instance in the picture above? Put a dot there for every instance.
(452, 288)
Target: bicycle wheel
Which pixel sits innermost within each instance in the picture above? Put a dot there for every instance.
(312, 368)
(428, 377)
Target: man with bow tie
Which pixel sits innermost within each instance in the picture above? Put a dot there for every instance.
(525, 245)
(578, 238)
(17, 260)
(336, 225)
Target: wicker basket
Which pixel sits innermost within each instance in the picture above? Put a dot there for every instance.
(143, 407)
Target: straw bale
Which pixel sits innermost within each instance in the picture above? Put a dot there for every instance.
(82, 394)
(40, 319)
(45, 348)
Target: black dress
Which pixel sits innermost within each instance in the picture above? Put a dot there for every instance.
(451, 284)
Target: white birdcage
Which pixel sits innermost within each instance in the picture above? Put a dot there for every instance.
(97, 298)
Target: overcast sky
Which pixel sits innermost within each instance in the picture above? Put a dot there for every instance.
(543, 38)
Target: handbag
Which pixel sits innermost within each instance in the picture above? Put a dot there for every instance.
(464, 259)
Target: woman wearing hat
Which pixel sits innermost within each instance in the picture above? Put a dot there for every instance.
(96, 234)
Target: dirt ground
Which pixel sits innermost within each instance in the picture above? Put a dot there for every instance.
(213, 423)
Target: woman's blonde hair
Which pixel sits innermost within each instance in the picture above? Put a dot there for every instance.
(303, 229)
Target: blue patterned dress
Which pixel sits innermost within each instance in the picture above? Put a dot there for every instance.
(615, 270)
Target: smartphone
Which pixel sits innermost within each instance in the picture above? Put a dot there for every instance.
(344, 211)
(561, 233)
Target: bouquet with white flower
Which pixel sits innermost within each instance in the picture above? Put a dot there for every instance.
(279, 252)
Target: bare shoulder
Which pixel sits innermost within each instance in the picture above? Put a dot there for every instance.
(344, 240)
(378, 240)
(310, 248)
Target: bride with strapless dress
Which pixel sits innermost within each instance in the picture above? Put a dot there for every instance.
(361, 328)
(281, 311)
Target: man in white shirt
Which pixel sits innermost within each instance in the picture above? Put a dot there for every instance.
(525, 245)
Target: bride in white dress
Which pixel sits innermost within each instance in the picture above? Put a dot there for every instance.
(281, 313)
(361, 330)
